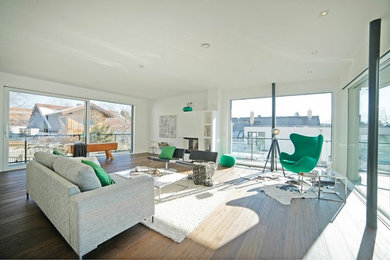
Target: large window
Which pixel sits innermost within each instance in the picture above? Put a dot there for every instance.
(42, 123)
(38, 122)
(303, 114)
(357, 136)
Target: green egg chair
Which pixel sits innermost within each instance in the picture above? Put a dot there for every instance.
(305, 157)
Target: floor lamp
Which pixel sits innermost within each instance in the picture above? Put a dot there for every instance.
(274, 152)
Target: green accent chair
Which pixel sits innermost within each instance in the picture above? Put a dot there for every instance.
(305, 157)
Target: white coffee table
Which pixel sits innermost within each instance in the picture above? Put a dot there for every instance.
(167, 179)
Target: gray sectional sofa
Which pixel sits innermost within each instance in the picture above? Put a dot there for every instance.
(85, 213)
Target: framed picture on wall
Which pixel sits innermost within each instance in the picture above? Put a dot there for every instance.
(168, 126)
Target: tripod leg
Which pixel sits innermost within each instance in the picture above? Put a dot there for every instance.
(276, 157)
(278, 149)
(273, 156)
(269, 152)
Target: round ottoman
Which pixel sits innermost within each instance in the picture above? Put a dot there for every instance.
(227, 160)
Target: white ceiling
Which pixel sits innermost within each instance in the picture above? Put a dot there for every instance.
(152, 49)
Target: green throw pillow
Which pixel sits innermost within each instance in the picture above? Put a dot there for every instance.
(167, 152)
(58, 153)
(103, 176)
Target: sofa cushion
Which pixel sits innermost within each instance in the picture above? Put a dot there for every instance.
(46, 159)
(90, 158)
(167, 152)
(102, 175)
(78, 173)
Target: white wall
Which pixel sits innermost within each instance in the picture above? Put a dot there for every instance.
(360, 61)
(173, 106)
(340, 137)
(141, 112)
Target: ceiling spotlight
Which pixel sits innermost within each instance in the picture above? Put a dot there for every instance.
(205, 45)
(314, 52)
(325, 12)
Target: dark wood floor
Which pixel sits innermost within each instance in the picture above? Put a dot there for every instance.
(248, 225)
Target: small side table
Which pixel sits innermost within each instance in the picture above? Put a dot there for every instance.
(337, 178)
(153, 150)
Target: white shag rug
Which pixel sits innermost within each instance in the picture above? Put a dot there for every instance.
(182, 208)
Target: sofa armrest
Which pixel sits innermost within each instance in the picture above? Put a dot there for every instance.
(100, 214)
(52, 193)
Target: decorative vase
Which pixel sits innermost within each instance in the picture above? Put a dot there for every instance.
(187, 109)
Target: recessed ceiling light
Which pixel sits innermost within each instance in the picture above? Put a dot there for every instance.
(314, 52)
(205, 45)
(325, 12)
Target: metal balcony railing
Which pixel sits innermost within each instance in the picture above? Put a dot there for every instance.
(23, 146)
(255, 150)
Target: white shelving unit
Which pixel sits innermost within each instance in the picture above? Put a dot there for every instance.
(208, 122)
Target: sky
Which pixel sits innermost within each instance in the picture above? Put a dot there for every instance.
(320, 105)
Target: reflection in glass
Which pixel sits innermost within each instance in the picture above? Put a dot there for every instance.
(111, 123)
(42, 123)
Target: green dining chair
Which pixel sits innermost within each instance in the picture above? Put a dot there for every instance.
(305, 157)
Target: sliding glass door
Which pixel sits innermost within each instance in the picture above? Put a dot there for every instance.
(42, 123)
(45, 122)
(357, 136)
